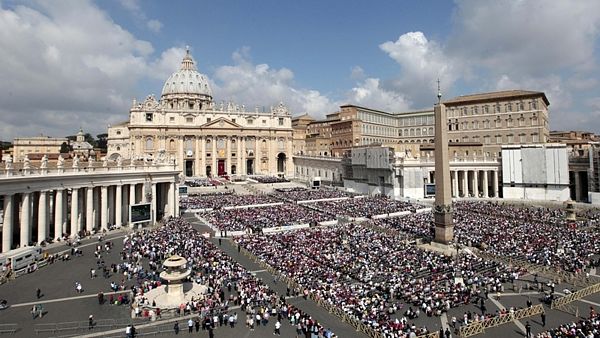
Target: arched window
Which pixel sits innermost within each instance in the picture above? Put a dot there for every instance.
(149, 143)
(172, 145)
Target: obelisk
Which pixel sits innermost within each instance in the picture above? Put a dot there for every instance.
(442, 211)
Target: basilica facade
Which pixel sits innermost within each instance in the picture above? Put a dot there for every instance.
(203, 138)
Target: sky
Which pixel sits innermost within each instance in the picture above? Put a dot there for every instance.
(66, 65)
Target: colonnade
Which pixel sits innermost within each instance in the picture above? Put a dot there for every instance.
(35, 216)
(474, 183)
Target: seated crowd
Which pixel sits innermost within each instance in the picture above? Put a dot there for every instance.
(303, 194)
(201, 182)
(582, 328)
(269, 179)
(365, 206)
(538, 235)
(217, 201)
(211, 267)
(374, 277)
(263, 217)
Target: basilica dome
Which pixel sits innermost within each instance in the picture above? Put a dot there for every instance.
(187, 81)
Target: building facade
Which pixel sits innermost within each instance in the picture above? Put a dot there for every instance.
(39, 145)
(491, 119)
(204, 138)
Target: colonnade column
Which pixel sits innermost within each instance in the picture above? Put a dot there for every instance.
(7, 226)
(58, 213)
(154, 202)
(496, 184)
(74, 210)
(257, 156)
(243, 170)
(476, 183)
(118, 205)
(103, 207)
(465, 183)
(42, 217)
(197, 159)
(171, 199)
(485, 184)
(25, 219)
(454, 183)
(89, 209)
(228, 154)
(203, 161)
(213, 169)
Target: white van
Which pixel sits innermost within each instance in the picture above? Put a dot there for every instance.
(22, 258)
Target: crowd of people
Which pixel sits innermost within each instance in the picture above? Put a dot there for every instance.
(303, 194)
(225, 199)
(375, 278)
(256, 219)
(585, 328)
(229, 284)
(268, 179)
(365, 206)
(538, 235)
(201, 182)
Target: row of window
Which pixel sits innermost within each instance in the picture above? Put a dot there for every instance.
(493, 108)
(501, 139)
(190, 119)
(497, 123)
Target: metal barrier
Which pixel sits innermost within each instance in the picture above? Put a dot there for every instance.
(478, 327)
(435, 334)
(561, 303)
(84, 325)
(8, 328)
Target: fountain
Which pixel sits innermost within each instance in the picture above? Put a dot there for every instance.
(176, 291)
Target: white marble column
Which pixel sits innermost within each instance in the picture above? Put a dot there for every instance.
(243, 156)
(25, 219)
(465, 183)
(496, 194)
(171, 200)
(202, 171)
(228, 154)
(476, 183)
(7, 225)
(42, 231)
(238, 165)
(454, 183)
(74, 211)
(214, 156)
(257, 156)
(66, 220)
(58, 213)
(89, 209)
(485, 183)
(154, 202)
(103, 208)
(197, 158)
(119, 205)
(111, 204)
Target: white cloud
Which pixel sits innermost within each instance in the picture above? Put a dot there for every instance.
(369, 93)
(422, 62)
(260, 85)
(154, 25)
(65, 65)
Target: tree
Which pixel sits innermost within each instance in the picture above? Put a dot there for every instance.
(102, 141)
(64, 148)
